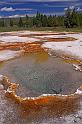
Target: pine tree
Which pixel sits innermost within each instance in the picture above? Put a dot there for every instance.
(38, 20)
(67, 19)
(80, 18)
(20, 23)
(27, 21)
(50, 21)
(2, 23)
(71, 18)
(55, 22)
(44, 20)
(11, 22)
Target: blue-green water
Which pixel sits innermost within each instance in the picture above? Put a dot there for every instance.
(40, 73)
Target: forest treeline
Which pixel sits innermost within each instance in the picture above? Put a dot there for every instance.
(71, 19)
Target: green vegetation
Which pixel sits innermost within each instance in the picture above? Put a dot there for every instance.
(71, 21)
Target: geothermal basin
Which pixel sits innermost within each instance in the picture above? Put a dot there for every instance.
(47, 83)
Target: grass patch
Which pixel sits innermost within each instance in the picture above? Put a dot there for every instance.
(55, 29)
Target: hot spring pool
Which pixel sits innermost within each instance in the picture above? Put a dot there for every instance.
(40, 73)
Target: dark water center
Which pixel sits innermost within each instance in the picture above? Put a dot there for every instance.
(40, 73)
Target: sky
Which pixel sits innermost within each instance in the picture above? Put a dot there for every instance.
(17, 8)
